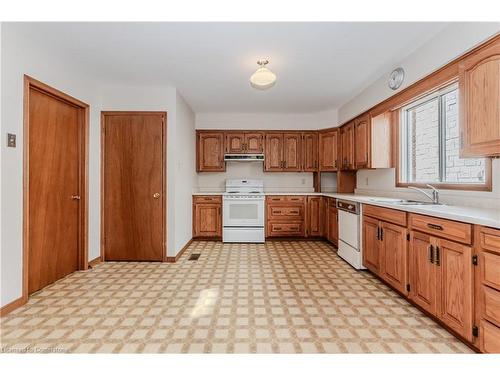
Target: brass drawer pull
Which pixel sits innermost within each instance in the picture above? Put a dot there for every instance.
(294, 212)
(434, 226)
(276, 212)
(438, 260)
(431, 253)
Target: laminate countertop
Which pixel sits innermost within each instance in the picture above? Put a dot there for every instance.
(482, 216)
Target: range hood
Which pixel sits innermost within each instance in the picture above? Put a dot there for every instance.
(244, 157)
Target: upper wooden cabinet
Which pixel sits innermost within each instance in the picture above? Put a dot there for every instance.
(210, 152)
(479, 81)
(283, 152)
(310, 152)
(244, 142)
(347, 146)
(328, 151)
(362, 141)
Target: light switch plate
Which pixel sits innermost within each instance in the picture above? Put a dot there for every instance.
(11, 140)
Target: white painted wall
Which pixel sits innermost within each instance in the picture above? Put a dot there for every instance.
(452, 42)
(184, 148)
(20, 57)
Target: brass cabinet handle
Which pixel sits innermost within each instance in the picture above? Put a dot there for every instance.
(434, 226)
(75, 197)
(431, 253)
(381, 234)
(438, 260)
(378, 233)
(157, 195)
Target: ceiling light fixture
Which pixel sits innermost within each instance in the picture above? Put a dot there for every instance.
(263, 78)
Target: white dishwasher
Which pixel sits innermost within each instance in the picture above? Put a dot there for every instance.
(350, 239)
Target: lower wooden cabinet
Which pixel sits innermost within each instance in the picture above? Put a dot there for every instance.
(332, 224)
(314, 218)
(285, 216)
(441, 283)
(385, 251)
(207, 216)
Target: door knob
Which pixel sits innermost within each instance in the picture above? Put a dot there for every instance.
(75, 197)
(156, 195)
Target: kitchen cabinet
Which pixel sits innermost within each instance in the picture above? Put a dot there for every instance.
(487, 288)
(441, 280)
(210, 151)
(332, 231)
(244, 142)
(283, 152)
(371, 246)
(328, 151)
(347, 146)
(362, 139)
(479, 84)
(207, 216)
(285, 216)
(310, 152)
(314, 219)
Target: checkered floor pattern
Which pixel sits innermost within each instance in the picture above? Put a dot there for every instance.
(278, 297)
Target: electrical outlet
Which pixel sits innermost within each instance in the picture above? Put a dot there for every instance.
(366, 181)
(11, 140)
(303, 181)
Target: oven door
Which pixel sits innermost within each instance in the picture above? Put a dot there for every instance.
(243, 212)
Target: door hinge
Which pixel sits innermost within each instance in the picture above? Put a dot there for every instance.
(407, 236)
(474, 260)
(475, 331)
(407, 287)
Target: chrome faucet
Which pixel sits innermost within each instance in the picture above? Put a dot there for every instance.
(434, 196)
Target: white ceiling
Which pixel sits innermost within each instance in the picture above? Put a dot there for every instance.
(319, 65)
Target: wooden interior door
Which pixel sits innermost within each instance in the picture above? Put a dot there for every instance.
(328, 151)
(274, 152)
(134, 180)
(210, 148)
(362, 137)
(235, 143)
(254, 143)
(423, 274)
(455, 286)
(310, 152)
(292, 152)
(394, 259)
(371, 244)
(55, 139)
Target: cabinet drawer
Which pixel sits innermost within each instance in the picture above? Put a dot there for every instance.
(295, 213)
(490, 337)
(285, 229)
(385, 214)
(491, 298)
(207, 199)
(452, 230)
(490, 269)
(489, 239)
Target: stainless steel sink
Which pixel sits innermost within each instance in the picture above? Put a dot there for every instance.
(405, 202)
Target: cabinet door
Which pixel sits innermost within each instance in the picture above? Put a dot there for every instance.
(371, 244)
(310, 152)
(455, 285)
(314, 216)
(347, 141)
(479, 81)
(207, 220)
(328, 151)
(394, 250)
(362, 139)
(235, 143)
(254, 143)
(274, 152)
(210, 156)
(333, 227)
(292, 152)
(423, 274)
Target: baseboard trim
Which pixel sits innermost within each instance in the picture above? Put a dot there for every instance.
(94, 262)
(13, 305)
(179, 254)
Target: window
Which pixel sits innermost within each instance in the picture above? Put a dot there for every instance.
(430, 143)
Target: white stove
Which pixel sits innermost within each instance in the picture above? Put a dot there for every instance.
(243, 211)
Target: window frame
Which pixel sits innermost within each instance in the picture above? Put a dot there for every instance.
(401, 150)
